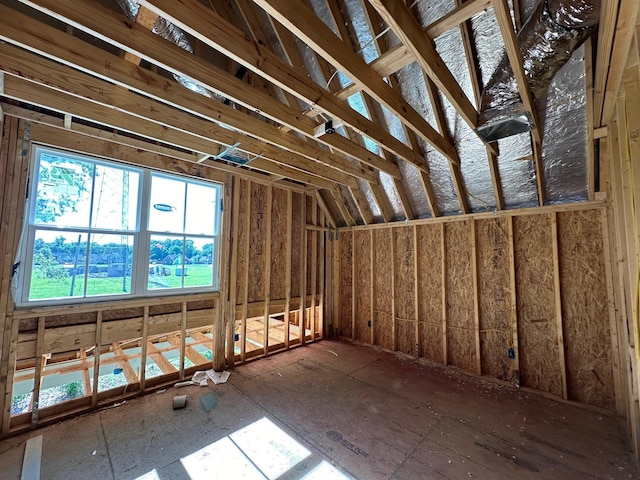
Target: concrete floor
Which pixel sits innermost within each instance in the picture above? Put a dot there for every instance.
(371, 414)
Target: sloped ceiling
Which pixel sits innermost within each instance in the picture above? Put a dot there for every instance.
(260, 81)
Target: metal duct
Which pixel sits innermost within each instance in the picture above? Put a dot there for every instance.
(553, 32)
(170, 32)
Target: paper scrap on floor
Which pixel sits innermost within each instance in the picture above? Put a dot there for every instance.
(201, 377)
(218, 377)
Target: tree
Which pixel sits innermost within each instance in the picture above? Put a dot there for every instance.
(60, 187)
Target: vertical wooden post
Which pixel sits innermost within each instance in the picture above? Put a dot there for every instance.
(337, 318)
(443, 245)
(513, 310)
(15, 157)
(245, 278)
(183, 336)
(372, 256)
(233, 274)
(37, 380)
(287, 260)
(476, 301)
(143, 348)
(558, 304)
(303, 269)
(96, 359)
(323, 278)
(613, 324)
(218, 361)
(267, 268)
(591, 162)
(314, 267)
(394, 333)
(416, 290)
(354, 261)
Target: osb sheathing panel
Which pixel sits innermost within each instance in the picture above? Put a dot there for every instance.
(346, 255)
(362, 285)
(257, 239)
(405, 290)
(585, 316)
(383, 291)
(429, 253)
(537, 328)
(243, 237)
(496, 335)
(296, 238)
(278, 244)
(459, 288)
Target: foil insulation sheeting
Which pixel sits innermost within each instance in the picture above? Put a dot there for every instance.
(547, 40)
(415, 191)
(564, 146)
(170, 32)
(371, 200)
(352, 208)
(516, 176)
(390, 189)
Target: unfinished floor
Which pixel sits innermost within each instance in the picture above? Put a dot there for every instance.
(371, 414)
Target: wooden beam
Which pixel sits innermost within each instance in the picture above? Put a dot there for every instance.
(443, 267)
(213, 30)
(416, 289)
(382, 201)
(513, 301)
(109, 26)
(38, 370)
(512, 48)
(476, 297)
(267, 266)
(218, 358)
(287, 265)
(303, 22)
(393, 60)
(245, 279)
(558, 306)
(406, 27)
(143, 347)
(303, 269)
(591, 154)
(47, 73)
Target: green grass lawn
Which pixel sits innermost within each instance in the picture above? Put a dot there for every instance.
(43, 288)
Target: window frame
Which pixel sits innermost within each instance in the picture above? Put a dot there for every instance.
(141, 234)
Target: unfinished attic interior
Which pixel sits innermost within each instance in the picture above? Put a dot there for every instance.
(419, 218)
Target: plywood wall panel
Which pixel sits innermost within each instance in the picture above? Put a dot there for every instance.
(243, 238)
(404, 284)
(459, 290)
(496, 335)
(296, 236)
(346, 282)
(383, 289)
(584, 308)
(257, 238)
(278, 244)
(537, 328)
(362, 285)
(429, 253)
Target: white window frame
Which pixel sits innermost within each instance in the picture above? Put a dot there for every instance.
(141, 235)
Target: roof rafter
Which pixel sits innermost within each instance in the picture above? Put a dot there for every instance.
(307, 26)
(204, 24)
(59, 101)
(94, 19)
(503, 16)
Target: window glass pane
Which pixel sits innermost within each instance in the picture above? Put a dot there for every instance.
(201, 209)
(166, 206)
(199, 254)
(115, 205)
(165, 262)
(63, 192)
(109, 264)
(58, 268)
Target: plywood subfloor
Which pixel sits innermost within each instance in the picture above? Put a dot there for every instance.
(371, 414)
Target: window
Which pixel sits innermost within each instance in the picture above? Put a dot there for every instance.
(100, 229)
